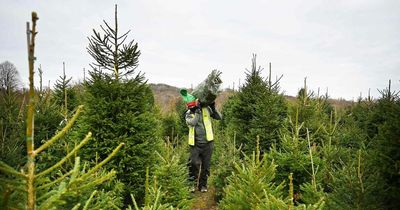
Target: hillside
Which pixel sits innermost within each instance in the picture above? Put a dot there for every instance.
(166, 97)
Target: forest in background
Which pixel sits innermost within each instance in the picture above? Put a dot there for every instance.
(121, 151)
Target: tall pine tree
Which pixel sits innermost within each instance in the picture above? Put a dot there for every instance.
(64, 94)
(386, 145)
(120, 109)
(257, 110)
(110, 51)
(51, 187)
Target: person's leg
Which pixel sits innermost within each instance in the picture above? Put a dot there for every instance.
(194, 164)
(206, 162)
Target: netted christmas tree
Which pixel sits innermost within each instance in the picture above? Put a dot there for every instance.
(208, 90)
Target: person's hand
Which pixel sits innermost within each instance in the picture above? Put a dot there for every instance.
(212, 105)
(198, 103)
(193, 108)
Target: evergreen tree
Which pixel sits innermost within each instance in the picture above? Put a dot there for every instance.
(34, 188)
(385, 148)
(48, 116)
(296, 155)
(252, 186)
(64, 94)
(169, 125)
(156, 197)
(312, 110)
(249, 181)
(120, 110)
(371, 126)
(174, 123)
(355, 185)
(226, 154)
(110, 51)
(257, 110)
(170, 174)
(181, 127)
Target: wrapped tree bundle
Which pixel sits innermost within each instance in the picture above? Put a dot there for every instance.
(208, 90)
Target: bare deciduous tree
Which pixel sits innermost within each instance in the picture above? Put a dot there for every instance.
(9, 77)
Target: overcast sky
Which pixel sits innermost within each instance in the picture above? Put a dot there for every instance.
(347, 46)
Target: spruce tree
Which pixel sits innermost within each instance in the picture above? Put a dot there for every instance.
(49, 117)
(174, 124)
(248, 182)
(120, 109)
(355, 184)
(170, 174)
(298, 156)
(227, 154)
(49, 188)
(385, 148)
(181, 128)
(371, 127)
(110, 51)
(258, 109)
(313, 110)
(64, 95)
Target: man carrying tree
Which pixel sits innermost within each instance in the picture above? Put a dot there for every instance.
(201, 138)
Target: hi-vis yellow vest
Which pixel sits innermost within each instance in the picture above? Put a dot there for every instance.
(207, 126)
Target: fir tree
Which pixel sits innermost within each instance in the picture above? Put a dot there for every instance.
(31, 188)
(226, 154)
(385, 148)
(181, 127)
(247, 183)
(111, 53)
(312, 110)
(355, 185)
(296, 155)
(257, 110)
(48, 116)
(174, 124)
(64, 94)
(120, 110)
(170, 174)
(372, 128)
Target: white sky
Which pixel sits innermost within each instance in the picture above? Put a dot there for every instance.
(343, 45)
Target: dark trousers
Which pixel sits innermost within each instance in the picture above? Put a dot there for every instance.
(200, 159)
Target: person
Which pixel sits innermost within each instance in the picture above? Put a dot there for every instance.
(200, 139)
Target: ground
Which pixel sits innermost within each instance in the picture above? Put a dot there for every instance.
(204, 201)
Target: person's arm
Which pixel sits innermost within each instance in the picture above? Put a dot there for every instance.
(214, 112)
(192, 118)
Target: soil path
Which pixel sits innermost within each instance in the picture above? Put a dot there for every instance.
(204, 201)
